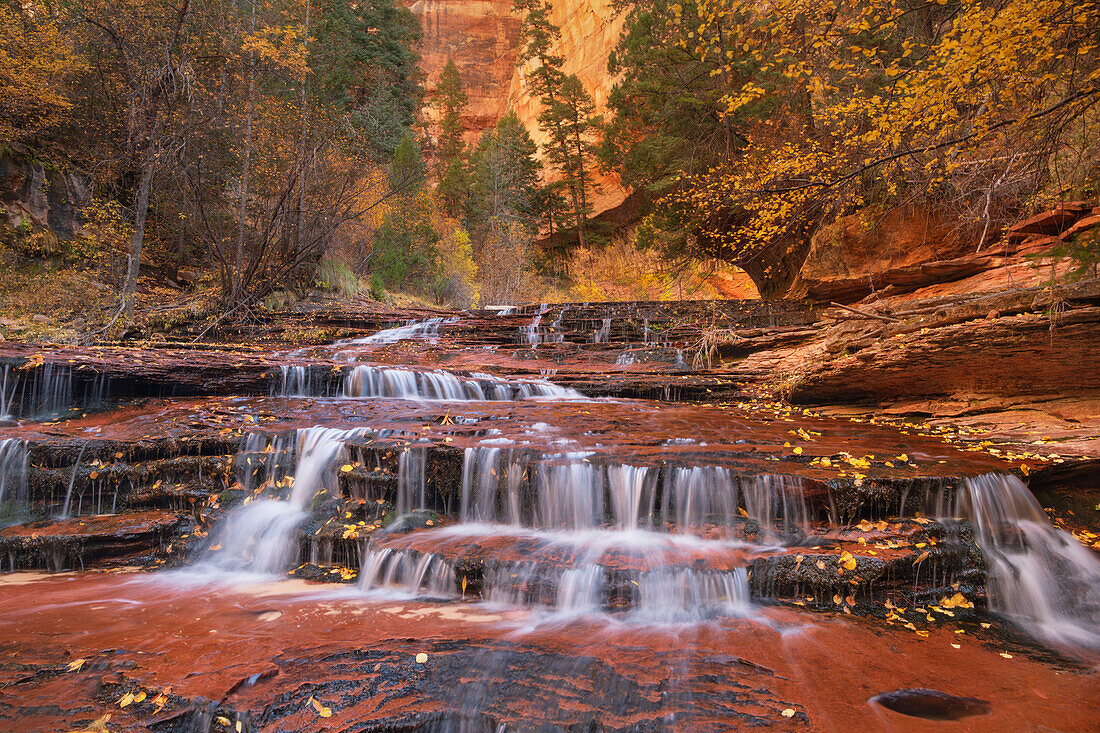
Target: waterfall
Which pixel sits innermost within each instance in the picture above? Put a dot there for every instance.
(14, 502)
(604, 334)
(410, 479)
(572, 492)
(533, 335)
(427, 329)
(366, 381)
(72, 482)
(7, 394)
(1039, 577)
(259, 536)
(651, 576)
(571, 535)
(298, 381)
(530, 334)
(48, 391)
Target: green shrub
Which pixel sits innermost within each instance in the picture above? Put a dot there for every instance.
(337, 277)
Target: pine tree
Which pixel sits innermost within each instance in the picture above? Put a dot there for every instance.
(567, 111)
(450, 102)
(504, 173)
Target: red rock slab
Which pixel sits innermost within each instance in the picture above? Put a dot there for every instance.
(1082, 225)
(631, 430)
(98, 526)
(267, 653)
(1054, 221)
(617, 551)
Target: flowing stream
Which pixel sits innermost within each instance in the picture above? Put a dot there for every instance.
(260, 536)
(573, 533)
(1039, 577)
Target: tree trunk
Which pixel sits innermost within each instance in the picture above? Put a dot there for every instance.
(302, 142)
(582, 210)
(141, 208)
(238, 261)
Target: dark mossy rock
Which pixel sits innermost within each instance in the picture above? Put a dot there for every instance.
(420, 519)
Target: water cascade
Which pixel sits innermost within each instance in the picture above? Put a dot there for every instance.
(533, 334)
(530, 334)
(298, 381)
(579, 536)
(48, 391)
(365, 381)
(428, 329)
(13, 479)
(258, 536)
(1039, 577)
(603, 335)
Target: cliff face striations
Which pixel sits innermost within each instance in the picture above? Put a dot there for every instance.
(483, 38)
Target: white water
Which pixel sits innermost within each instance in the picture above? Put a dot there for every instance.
(47, 392)
(365, 381)
(427, 329)
(1039, 577)
(13, 479)
(573, 573)
(534, 334)
(603, 335)
(572, 492)
(259, 537)
(578, 522)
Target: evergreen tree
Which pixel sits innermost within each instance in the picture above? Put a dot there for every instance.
(567, 110)
(405, 249)
(570, 120)
(363, 58)
(504, 172)
(450, 101)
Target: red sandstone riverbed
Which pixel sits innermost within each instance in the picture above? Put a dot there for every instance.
(200, 642)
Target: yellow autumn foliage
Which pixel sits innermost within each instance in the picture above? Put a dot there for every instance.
(839, 102)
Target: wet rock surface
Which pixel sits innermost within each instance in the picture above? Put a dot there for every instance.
(562, 517)
(238, 653)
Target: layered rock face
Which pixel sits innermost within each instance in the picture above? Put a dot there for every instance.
(46, 197)
(483, 38)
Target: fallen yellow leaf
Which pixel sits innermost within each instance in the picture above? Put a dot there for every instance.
(321, 709)
(847, 560)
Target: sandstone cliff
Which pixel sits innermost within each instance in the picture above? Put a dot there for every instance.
(482, 36)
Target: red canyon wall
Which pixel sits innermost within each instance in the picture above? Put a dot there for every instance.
(482, 36)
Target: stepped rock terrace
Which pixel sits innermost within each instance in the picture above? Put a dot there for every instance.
(553, 516)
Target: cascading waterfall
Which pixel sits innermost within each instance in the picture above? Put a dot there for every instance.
(533, 334)
(599, 536)
(7, 393)
(48, 391)
(530, 334)
(366, 381)
(258, 536)
(410, 479)
(13, 479)
(427, 329)
(1039, 577)
(72, 482)
(572, 491)
(298, 381)
(603, 335)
